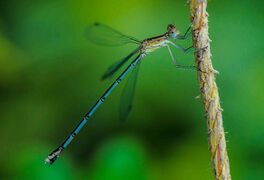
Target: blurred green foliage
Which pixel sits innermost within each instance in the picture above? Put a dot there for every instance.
(50, 76)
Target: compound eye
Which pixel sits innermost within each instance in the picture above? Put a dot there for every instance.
(170, 26)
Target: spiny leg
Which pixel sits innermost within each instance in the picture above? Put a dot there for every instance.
(186, 34)
(184, 67)
(172, 57)
(178, 65)
(185, 50)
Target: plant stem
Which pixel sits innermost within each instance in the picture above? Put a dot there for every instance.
(209, 90)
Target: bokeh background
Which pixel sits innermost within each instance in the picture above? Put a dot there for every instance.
(50, 76)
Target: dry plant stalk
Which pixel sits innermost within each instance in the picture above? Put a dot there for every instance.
(209, 90)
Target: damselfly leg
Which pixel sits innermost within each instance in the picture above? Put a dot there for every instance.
(186, 34)
(178, 65)
(185, 50)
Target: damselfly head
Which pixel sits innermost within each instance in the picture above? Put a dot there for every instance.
(172, 31)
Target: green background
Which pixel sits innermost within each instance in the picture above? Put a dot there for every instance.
(50, 76)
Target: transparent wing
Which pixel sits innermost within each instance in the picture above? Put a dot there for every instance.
(104, 35)
(115, 67)
(128, 94)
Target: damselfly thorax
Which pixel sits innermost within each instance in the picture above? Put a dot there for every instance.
(151, 44)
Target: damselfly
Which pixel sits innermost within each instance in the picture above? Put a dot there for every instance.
(102, 34)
